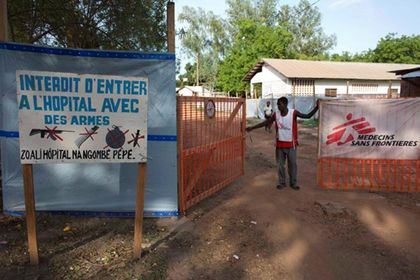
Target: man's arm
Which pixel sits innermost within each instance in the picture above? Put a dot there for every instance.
(310, 114)
(261, 124)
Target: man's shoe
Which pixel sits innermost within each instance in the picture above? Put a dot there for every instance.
(296, 188)
(280, 187)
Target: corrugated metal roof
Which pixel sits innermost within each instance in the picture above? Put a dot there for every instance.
(405, 71)
(292, 68)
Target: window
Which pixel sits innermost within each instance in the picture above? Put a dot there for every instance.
(331, 92)
(257, 90)
(303, 87)
(364, 88)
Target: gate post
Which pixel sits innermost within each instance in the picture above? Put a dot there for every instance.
(180, 139)
(243, 134)
(170, 22)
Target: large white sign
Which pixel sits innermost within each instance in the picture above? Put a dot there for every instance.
(370, 129)
(68, 117)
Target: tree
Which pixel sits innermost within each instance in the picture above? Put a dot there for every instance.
(253, 29)
(261, 11)
(238, 10)
(107, 24)
(344, 56)
(304, 22)
(393, 49)
(253, 42)
(187, 78)
(389, 49)
(204, 39)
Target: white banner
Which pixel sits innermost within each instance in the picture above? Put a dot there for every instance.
(68, 117)
(370, 129)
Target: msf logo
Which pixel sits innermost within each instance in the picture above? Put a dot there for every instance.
(344, 133)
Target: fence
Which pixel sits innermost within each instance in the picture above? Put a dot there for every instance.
(210, 145)
(370, 145)
(372, 175)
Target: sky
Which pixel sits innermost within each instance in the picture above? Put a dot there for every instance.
(358, 24)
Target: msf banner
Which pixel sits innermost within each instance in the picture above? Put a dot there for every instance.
(67, 117)
(370, 129)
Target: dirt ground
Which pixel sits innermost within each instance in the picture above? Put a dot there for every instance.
(249, 230)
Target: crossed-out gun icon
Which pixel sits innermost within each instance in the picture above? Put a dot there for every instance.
(50, 132)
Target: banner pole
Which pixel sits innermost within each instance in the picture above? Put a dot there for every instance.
(319, 169)
(28, 184)
(170, 22)
(138, 221)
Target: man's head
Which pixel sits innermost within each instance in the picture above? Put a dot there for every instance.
(268, 103)
(282, 104)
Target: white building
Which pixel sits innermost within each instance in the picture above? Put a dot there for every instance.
(272, 78)
(193, 91)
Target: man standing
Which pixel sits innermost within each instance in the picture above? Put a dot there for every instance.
(286, 140)
(268, 112)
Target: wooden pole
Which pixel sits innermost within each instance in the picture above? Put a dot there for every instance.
(197, 69)
(138, 221)
(3, 31)
(3, 21)
(389, 95)
(170, 22)
(28, 184)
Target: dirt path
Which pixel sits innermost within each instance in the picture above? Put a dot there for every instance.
(287, 235)
(250, 230)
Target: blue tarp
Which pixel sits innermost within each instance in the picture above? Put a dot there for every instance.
(93, 188)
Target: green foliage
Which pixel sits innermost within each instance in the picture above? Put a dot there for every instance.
(390, 49)
(260, 30)
(255, 34)
(105, 24)
(404, 49)
(304, 22)
(205, 40)
(189, 75)
(195, 37)
(253, 42)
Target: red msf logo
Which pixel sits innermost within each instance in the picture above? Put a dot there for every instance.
(344, 132)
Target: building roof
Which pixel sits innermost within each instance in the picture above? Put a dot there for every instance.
(308, 69)
(196, 89)
(405, 71)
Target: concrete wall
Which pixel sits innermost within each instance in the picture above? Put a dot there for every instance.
(341, 86)
(275, 85)
(272, 83)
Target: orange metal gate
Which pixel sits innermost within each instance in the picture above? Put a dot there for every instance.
(369, 174)
(211, 145)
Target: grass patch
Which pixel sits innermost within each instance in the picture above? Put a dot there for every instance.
(309, 123)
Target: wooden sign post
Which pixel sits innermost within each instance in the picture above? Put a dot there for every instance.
(122, 139)
(138, 221)
(28, 184)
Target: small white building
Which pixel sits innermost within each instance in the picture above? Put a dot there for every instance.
(192, 91)
(272, 78)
